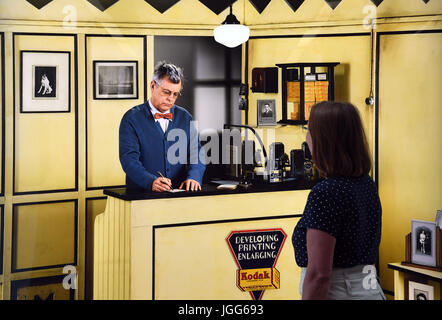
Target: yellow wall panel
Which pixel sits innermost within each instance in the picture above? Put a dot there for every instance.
(94, 207)
(44, 234)
(104, 116)
(206, 268)
(45, 146)
(410, 131)
(354, 68)
(2, 97)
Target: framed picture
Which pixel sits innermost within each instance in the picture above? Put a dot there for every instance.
(45, 81)
(420, 291)
(266, 112)
(423, 242)
(48, 288)
(439, 219)
(115, 80)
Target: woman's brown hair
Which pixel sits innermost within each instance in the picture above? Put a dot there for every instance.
(340, 146)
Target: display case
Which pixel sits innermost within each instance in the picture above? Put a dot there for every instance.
(303, 85)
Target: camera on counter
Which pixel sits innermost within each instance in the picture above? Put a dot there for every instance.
(300, 163)
(254, 165)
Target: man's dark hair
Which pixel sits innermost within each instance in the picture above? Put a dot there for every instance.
(340, 146)
(164, 69)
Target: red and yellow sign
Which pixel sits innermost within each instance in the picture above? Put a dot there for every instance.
(256, 253)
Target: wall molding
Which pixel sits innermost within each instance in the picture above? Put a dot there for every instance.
(3, 111)
(154, 27)
(14, 235)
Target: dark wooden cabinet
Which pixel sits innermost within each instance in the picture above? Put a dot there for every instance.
(265, 80)
(303, 85)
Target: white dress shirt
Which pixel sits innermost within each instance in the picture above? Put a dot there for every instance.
(164, 123)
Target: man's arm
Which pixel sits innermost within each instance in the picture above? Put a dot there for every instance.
(320, 251)
(129, 150)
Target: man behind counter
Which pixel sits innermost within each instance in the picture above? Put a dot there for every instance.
(147, 132)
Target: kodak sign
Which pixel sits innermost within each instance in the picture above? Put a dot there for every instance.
(256, 253)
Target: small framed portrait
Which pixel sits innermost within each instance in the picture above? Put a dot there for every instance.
(420, 291)
(45, 81)
(115, 80)
(47, 288)
(439, 219)
(423, 242)
(266, 112)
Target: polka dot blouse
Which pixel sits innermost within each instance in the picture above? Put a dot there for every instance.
(349, 209)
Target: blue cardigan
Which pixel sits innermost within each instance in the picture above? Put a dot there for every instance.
(144, 148)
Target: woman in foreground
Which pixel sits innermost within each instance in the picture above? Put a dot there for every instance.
(337, 239)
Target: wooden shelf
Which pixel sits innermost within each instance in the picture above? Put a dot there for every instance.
(292, 122)
(414, 269)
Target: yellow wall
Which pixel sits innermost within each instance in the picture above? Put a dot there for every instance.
(48, 148)
(354, 68)
(45, 147)
(410, 149)
(103, 116)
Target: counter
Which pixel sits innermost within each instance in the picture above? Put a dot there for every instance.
(211, 244)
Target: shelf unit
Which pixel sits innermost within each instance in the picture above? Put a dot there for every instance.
(289, 72)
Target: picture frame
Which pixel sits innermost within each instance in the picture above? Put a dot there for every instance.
(420, 291)
(266, 112)
(423, 242)
(46, 288)
(115, 80)
(45, 81)
(439, 219)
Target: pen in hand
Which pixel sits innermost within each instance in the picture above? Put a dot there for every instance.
(161, 175)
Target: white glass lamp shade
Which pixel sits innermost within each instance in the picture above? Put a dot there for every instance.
(231, 35)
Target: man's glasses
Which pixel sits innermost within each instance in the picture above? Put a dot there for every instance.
(167, 93)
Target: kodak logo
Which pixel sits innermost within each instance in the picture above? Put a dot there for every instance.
(256, 276)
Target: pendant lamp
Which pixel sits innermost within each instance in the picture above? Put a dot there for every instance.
(231, 33)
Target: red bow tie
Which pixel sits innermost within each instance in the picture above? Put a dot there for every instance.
(163, 115)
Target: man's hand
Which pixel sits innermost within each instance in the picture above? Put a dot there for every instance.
(191, 185)
(161, 184)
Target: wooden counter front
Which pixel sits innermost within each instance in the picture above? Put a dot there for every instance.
(173, 246)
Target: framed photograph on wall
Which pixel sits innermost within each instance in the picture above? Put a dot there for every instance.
(420, 291)
(266, 112)
(45, 81)
(423, 242)
(439, 219)
(115, 80)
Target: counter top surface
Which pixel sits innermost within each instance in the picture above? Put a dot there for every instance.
(209, 190)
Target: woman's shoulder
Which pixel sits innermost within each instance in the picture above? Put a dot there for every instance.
(328, 185)
(339, 186)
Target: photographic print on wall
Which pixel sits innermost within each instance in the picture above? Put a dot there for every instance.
(115, 80)
(420, 291)
(266, 112)
(423, 242)
(439, 219)
(45, 81)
